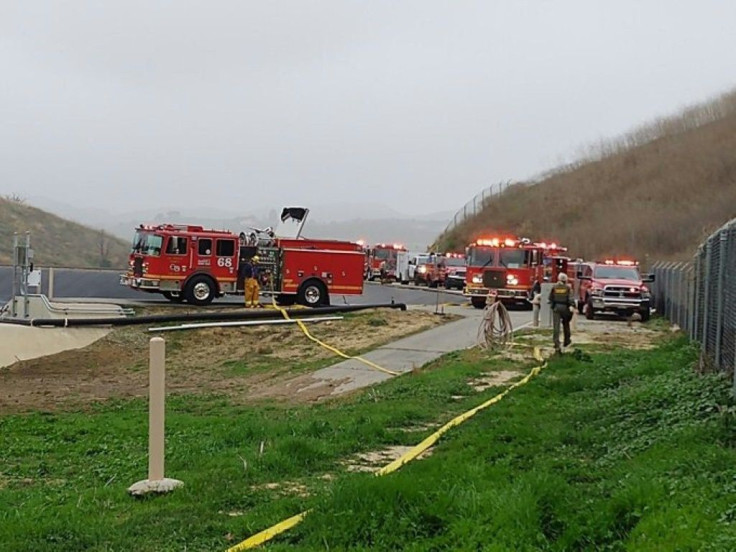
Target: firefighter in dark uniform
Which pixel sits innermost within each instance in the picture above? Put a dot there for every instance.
(562, 302)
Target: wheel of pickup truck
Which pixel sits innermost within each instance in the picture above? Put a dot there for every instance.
(313, 293)
(589, 310)
(200, 290)
(646, 314)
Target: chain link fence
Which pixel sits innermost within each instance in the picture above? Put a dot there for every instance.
(700, 297)
(476, 205)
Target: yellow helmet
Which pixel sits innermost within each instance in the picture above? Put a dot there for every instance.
(256, 259)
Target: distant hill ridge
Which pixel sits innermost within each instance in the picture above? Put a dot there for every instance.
(655, 193)
(56, 241)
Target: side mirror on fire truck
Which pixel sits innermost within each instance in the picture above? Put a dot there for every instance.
(648, 278)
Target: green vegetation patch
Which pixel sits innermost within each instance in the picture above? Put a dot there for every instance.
(626, 450)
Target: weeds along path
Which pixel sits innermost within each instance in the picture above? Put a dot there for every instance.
(411, 454)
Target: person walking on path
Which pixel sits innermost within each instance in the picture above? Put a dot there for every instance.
(535, 297)
(561, 300)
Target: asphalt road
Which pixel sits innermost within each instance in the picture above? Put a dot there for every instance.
(103, 284)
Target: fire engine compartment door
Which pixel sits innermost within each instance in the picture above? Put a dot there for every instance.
(291, 222)
(269, 265)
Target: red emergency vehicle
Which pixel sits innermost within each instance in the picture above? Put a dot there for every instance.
(508, 267)
(430, 270)
(383, 254)
(191, 263)
(454, 270)
(615, 286)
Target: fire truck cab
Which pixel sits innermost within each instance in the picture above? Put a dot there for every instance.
(194, 264)
(613, 286)
(506, 268)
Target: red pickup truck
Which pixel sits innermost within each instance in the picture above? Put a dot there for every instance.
(613, 286)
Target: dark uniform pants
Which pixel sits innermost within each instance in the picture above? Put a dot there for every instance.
(561, 314)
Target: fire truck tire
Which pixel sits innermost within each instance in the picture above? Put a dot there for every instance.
(478, 302)
(313, 293)
(173, 296)
(200, 290)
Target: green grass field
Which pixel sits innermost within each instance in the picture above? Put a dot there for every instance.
(619, 451)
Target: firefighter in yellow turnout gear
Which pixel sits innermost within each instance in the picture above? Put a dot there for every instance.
(252, 289)
(561, 300)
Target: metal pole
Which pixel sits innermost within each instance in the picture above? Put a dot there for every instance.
(26, 273)
(719, 297)
(706, 296)
(697, 282)
(50, 291)
(14, 299)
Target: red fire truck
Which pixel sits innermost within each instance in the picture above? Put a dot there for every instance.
(191, 263)
(383, 253)
(508, 267)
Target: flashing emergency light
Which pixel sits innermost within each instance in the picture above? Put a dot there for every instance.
(620, 262)
(509, 243)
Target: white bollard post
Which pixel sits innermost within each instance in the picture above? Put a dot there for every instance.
(156, 482)
(156, 411)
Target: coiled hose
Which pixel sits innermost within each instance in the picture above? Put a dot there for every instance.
(496, 329)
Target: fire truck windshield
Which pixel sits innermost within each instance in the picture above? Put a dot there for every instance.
(146, 243)
(480, 256)
(385, 254)
(512, 258)
(454, 261)
(617, 273)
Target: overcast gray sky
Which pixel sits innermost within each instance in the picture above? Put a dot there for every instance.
(418, 104)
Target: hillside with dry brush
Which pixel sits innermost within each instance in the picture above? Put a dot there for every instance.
(56, 241)
(655, 193)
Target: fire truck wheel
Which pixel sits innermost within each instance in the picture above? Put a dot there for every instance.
(313, 293)
(200, 290)
(173, 296)
(478, 302)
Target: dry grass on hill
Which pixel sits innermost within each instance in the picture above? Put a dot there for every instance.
(655, 193)
(56, 241)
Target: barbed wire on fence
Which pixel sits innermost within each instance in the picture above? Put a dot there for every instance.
(700, 297)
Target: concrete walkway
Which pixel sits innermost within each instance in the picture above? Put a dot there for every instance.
(408, 353)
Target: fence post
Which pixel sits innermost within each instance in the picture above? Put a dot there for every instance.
(706, 294)
(697, 282)
(719, 296)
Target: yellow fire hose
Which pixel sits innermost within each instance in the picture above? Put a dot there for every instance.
(330, 348)
(271, 532)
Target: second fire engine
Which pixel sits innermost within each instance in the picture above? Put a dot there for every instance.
(508, 267)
